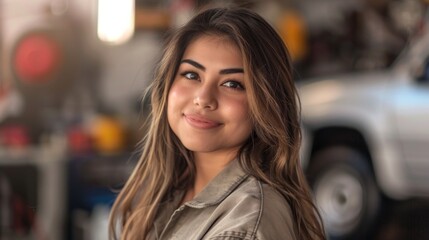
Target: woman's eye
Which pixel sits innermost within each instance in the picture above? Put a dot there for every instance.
(234, 85)
(190, 75)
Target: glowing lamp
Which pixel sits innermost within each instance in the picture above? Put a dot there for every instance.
(115, 20)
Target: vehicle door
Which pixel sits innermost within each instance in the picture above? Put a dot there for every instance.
(410, 101)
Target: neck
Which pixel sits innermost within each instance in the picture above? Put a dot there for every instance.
(207, 166)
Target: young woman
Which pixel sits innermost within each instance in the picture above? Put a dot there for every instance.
(221, 156)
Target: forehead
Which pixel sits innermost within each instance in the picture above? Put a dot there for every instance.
(211, 48)
(213, 38)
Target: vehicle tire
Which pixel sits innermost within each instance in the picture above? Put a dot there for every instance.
(345, 192)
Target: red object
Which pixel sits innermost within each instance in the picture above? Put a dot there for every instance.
(79, 140)
(14, 136)
(37, 57)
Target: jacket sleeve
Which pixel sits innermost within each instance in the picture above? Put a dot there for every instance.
(256, 212)
(276, 219)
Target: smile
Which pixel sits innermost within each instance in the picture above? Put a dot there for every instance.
(198, 121)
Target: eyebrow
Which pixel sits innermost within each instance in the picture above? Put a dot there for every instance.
(223, 71)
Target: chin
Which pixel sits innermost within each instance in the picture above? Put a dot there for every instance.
(198, 147)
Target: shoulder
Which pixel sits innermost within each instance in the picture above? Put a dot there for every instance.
(276, 219)
(254, 211)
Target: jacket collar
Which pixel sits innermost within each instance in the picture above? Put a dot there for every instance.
(214, 193)
(220, 187)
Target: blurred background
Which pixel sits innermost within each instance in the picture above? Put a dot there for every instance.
(72, 80)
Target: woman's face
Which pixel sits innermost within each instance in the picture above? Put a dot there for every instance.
(207, 103)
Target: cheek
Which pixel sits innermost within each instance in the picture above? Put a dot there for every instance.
(176, 100)
(173, 96)
(238, 114)
(238, 109)
(179, 90)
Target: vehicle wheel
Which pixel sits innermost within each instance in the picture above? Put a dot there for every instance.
(345, 192)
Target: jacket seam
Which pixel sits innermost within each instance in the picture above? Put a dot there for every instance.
(228, 235)
(230, 189)
(261, 209)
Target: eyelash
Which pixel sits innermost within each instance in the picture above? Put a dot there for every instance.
(185, 74)
(239, 86)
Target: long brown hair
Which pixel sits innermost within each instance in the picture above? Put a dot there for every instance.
(271, 154)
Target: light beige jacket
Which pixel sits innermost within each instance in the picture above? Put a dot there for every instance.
(233, 206)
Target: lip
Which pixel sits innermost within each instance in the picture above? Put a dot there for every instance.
(201, 122)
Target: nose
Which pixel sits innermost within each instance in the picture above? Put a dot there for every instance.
(206, 98)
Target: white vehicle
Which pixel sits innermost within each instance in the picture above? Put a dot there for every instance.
(366, 136)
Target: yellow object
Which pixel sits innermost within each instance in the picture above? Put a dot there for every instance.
(108, 134)
(292, 29)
